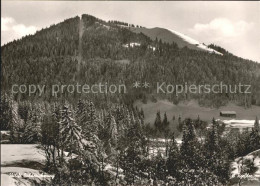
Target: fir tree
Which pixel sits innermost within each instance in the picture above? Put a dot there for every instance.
(89, 122)
(158, 122)
(15, 123)
(173, 161)
(190, 148)
(70, 132)
(165, 123)
(5, 109)
(257, 125)
(133, 152)
(32, 128)
(212, 141)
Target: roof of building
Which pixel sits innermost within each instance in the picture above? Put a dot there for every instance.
(228, 112)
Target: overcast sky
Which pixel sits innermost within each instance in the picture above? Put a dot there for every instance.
(232, 25)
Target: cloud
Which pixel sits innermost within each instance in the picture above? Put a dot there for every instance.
(220, 29)
(11, 30)
(238, 37)
(6, 22)
(22, 30)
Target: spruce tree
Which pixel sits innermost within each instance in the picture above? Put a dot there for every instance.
(190, 148)
(70, 132)
(89, 122)
(173, 161)
(5, 110)
(133, 152)
(212, 139)
(15, 124)
(257, 125)
(255, 136)
(165, 123)
(158, 122)
(32, 128)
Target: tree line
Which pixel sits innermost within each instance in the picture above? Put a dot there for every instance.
(111, 146)
(51, 56)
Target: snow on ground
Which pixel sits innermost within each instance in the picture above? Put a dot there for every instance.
(186, 38)
(7, 180)
(253, 156)
(153, 151)
(158, 145)
(6, 132)
(107, 27)
(21, 164)
(113, 170)
(178, 140)
(133, 44)
(11, 176)
(195, 42)
(152, 47)
(5, 137)
(13, 153)
(234, 123)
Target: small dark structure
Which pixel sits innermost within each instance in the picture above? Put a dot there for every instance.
(231, 114)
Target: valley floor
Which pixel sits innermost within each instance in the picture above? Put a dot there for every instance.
(192, 109)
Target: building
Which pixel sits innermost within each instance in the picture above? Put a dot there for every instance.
(231, 114)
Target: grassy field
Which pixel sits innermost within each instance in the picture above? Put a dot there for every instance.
(192, 109)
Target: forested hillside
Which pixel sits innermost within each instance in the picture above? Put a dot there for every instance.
(88, 50)
(84, 145)
(101, 138)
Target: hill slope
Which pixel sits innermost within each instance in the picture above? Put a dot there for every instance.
(89, 50)
(22, 165)
(170, 36)
(239, 164)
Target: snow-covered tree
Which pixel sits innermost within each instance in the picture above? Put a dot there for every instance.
(89, 121)
(255, 136)
(110, 133)
(32, 127)
(190, 148)
(5, 109)
(212, 140)
(173, 161)
(257, 125)
(15, 124)
(133, 152)
(70, 132)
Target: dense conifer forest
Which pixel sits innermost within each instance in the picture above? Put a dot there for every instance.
(63, 54)
(101, 139)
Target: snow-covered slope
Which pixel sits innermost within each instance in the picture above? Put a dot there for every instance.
(21, 165)
(169, 36)
(195, 42)
(237, 166)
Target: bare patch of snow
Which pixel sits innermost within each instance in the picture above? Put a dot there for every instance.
(14, 156)
(152, 47)
(236, 165)
(11, 176)
(12, 153)
(107, 27)
(233, 123)
(131, 45)
(195, 42)
(6, 132)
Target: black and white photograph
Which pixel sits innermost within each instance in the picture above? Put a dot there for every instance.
(130, 93)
